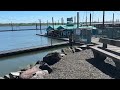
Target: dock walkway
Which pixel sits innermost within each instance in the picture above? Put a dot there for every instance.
(29, 49)
(109, 47)
(64, 39)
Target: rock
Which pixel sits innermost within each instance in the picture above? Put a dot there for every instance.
(44, 66)
(62, 54)
(52, 58)
(28, 67)
(1, 78)
(73, 50)
(6, 77)
(90, 44)
(56, 51)
(45, 72)
(39, 62)
(29, 73)
(14, 75)
(66, 51)
(83, 47)
(78, 49)
(40, 74)
(23, 69)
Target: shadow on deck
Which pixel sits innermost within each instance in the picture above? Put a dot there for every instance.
(105, 68)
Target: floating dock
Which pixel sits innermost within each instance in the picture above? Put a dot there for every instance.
(20, 30)
(64, 39)
(30, 49)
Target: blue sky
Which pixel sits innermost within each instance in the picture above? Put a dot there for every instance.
(33, 16)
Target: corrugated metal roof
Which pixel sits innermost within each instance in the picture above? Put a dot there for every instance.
(57, 27)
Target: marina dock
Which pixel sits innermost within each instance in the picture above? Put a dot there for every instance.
(111, 48)
(30, 49)
(64, 39)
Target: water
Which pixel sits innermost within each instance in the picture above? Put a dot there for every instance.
(2, 28)
(20, 39)
(16, 62)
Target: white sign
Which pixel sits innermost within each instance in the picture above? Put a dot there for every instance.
(78, 31)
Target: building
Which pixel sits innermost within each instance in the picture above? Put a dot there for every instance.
(83, 33)
(61, 31)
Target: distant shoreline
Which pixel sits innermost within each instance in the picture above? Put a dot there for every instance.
(27, 24)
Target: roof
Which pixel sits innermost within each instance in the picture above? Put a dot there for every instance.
(59, 27)
(87, 27)
(55, 27)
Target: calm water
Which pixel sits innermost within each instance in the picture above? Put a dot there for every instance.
(16, 62)
(19, 27)
(20, 39)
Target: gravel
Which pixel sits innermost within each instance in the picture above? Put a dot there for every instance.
(81, 65)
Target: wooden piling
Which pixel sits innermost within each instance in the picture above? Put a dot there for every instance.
(47, 23)
(74, 19)
(53, 29)
(40, 26)
(86, 17)
(12, 26)
(90, 19)
(103, 22)
(113, 27)
(77, 19)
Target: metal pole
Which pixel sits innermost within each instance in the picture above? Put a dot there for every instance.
(113, 19)
(90, 19)
(74, 19)
(103, 19)
(53, 23)
(36, 26)
(98, 20)
(47, 23)
(77, 19)
(40, 26)
(12, 26)
(113, 26)
(53, 29)
(86, 18)
(58, 22)
(62, 21)
(103, 22)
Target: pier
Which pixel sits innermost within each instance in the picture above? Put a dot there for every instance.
(64, 39)
(109, 47)
(30, 49)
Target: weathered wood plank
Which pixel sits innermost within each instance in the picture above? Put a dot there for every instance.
(105, 53)
(110, 41)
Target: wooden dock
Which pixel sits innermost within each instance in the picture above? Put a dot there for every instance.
(109, 48)
(30, 49)
(64, 39)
